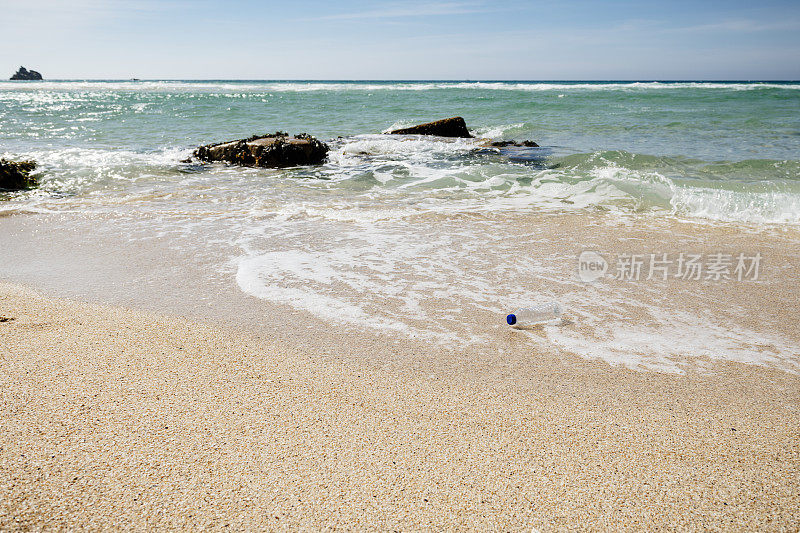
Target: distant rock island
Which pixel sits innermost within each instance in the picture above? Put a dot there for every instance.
(25, 74)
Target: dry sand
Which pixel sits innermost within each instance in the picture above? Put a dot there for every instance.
(116, 419)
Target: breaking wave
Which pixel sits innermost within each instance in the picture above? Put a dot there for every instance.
(435, 175)
(305, 86)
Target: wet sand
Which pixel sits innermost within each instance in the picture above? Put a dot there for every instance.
(120, 419)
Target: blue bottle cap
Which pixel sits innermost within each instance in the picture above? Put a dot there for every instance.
(511, 319)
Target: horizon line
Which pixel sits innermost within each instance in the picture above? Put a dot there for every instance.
(443, 80)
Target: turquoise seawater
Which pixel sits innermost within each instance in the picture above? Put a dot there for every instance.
(728, 151)
(429, 239)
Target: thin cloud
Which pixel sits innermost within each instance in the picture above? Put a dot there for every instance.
(740, 26)
(79, 8)
(412, 10)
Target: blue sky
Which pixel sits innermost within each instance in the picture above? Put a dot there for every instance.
(450, 39)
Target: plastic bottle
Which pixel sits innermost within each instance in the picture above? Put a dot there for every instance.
(534, 315)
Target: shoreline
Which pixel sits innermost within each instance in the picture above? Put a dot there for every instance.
(384, 290)
(122, 418)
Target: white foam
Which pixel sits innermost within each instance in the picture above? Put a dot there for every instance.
(637, 189)
(676, 341)
(420, 164)
(291, 86)
(414, 280)
(414, 146)
(373, 275)
(497, 132)
(768, 207)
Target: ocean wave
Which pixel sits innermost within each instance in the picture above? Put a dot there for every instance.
(405, 147)
(73, 169)
(454, 177)
(751, 191)
(306, 86)
(499, 131)
(422, 175)
(772, 207)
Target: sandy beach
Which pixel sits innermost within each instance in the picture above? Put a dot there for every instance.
(118, 419)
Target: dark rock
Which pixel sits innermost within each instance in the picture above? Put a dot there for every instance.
(275, 150)
(15, 175)
(25, 74)
(449, 127)
(504, 144)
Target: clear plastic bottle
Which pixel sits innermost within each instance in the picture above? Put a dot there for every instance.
(538, 314)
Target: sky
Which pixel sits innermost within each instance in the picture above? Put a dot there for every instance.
(402, 39)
